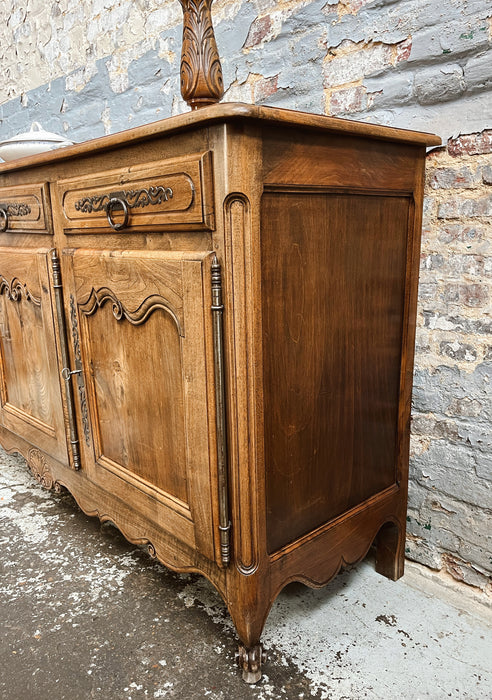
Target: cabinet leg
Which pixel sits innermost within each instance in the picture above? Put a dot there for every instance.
(251, 661)
(390, 551)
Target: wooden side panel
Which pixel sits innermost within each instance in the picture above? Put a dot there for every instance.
(333, 282)
(337, 161)
(30, 390)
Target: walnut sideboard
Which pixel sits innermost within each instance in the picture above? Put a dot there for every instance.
(207, 330)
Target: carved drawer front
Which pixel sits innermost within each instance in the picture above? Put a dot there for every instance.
(141, 323)
(29, 379)
(151, 196)
(24, 208)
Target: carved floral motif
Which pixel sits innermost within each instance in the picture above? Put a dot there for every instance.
(132, 198)
(16, 209)
(201, 72)
(14, 291)
(38, 465)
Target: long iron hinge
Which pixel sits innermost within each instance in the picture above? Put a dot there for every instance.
(66, 373)
(221, 426)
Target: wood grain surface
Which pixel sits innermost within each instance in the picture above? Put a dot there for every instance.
(333, 272)
(30, 390)
(315, 223)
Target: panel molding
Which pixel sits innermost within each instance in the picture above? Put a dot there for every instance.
(15, 290)
(93, 363)
(237, 224)
(27, 418)
(97, 299)
(167, 499)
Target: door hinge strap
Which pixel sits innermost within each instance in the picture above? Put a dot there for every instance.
(217, 309)
(65, 359)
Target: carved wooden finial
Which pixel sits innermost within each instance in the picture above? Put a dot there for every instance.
(201, 72)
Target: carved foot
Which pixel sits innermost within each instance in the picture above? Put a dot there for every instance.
(250, 661)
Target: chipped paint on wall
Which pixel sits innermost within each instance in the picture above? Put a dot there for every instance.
(55, 39)
(413, 63)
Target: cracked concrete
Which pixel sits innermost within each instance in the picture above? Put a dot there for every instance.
(84, 615)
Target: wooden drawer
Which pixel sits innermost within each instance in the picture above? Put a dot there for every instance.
(175, 193)
(24, 208)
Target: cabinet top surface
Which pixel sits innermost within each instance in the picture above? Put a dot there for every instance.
(227, 112)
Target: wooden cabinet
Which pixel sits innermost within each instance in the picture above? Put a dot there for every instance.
(216, 314)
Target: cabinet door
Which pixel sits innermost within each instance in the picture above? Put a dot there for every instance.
(29, 379)
(142, 333)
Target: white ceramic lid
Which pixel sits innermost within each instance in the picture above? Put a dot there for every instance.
(37, 133)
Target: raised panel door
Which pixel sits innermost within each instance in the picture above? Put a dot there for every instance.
(142, 333)
(31, 404)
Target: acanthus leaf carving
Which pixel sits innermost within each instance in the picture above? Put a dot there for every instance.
(201, 73)
(37, 463)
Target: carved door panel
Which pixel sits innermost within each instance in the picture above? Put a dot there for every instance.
(29, 383)
(143, 339)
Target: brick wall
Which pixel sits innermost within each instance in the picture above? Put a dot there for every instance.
(92, 67)
(449, 519)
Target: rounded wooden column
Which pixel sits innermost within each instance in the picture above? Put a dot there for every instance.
(201, 72)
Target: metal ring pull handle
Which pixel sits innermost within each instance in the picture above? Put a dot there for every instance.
(117, 203)
(4, 220)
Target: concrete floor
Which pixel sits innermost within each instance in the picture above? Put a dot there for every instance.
(84, 614)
